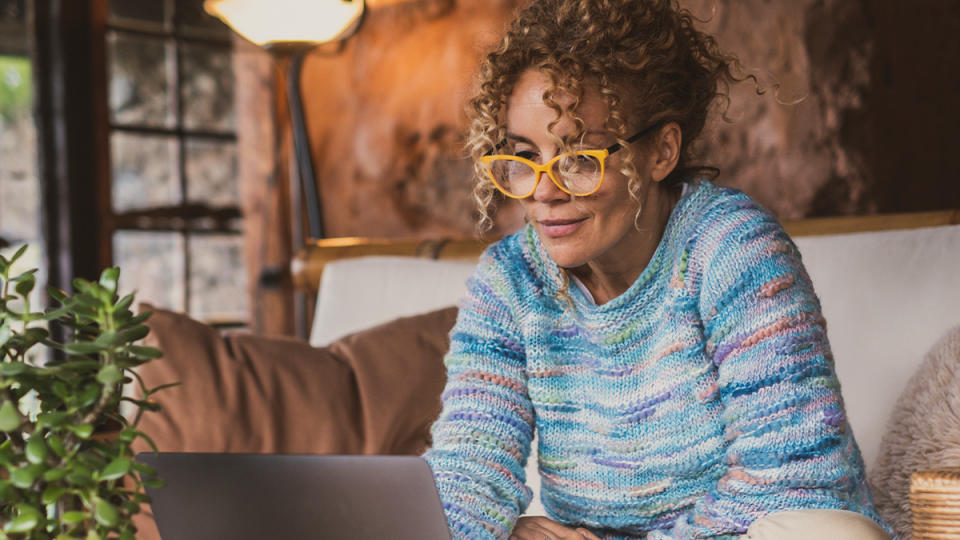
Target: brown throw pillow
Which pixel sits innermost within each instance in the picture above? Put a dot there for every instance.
(923, 432)
(373, 392)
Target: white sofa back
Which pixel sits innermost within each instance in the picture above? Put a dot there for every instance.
(887, 297)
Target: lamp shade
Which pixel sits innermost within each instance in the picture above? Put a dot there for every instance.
(267, 22)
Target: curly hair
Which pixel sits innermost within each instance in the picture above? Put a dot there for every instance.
(648, 61)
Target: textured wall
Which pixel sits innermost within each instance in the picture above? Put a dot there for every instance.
(858, 118)
(385, 117)
(861, 95)
(863, 120)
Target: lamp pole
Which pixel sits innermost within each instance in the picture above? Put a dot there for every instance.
(289, 29)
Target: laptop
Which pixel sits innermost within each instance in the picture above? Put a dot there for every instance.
(280, 497)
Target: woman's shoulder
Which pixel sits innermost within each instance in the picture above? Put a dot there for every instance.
(716, 215)
(710, 200)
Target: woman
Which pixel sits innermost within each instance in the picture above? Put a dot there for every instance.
(657, 331)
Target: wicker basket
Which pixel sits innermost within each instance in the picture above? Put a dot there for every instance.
(935, 504)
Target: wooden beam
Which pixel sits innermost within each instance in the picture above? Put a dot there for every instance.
(307, 265)
(879, 222)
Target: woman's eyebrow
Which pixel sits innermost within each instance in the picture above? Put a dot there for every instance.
(565, 138)
(518, 138)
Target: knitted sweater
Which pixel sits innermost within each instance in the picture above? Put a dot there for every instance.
(701, 399)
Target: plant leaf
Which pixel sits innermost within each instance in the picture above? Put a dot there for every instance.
(116, 469)
(55, 313)
(52, 494)
(56, 444)
(83, 347)
(5, 334)
(17, 255)
(25, 284)
(36, 450)
(153, 483)
(90, 394)
(140, 318)
(133, 334)
(55, 475)
(51, 419)
(124, 303)
(11, 369)
(83, 431)
(22, 524)
(73, 517)
(109, 278)
(144, 352)
(22, 478)
(9, 417)
(110, 374)
(144, 469)
(153, 445)
(105, 513)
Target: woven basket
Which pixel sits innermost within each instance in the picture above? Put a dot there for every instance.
(935, 504)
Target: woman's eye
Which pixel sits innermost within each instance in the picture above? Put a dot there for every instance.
(525, 154)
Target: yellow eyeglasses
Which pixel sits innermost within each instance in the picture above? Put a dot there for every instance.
(577, 173)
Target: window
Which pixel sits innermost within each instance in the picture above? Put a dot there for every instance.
(175, 222)
(20, 201)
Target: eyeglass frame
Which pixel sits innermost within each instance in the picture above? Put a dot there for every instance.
(600, 155)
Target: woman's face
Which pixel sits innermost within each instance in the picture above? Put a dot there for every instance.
(595, 229)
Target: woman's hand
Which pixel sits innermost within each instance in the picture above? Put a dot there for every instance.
(542, 528)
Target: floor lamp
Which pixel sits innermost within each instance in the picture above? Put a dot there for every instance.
(289, 30)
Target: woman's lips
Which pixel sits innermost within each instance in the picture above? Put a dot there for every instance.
(556, 228)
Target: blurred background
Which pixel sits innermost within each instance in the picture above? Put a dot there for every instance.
(148, 134)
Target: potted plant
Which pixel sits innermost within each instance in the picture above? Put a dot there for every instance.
(60, 475)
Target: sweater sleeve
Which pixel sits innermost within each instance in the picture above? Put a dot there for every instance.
(481, 440)
(789, 443)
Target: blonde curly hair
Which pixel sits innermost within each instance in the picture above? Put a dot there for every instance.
(649, 62)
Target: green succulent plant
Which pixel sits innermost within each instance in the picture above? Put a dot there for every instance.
(60, 476)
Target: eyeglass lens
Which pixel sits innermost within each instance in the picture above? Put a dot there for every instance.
(578, 174)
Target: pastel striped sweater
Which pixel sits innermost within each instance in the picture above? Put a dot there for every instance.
(701, 399)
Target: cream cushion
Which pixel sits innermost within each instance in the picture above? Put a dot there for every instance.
(816, 524)
(887, 298)
(360, 293)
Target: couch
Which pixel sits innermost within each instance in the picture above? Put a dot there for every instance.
(369, 382)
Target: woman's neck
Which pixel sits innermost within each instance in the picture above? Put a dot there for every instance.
(609, 276)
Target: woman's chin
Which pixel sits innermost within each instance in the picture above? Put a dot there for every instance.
(565, 254)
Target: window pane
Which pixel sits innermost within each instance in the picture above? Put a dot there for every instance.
(140, 88)
(20, 194)
(218, 280)
(138, 13)
(195, 21)
(212, 173)
(19, 185)
(207, 90)
(145, 171)
(152, 263)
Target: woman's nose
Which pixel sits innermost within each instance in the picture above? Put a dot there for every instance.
(547, 191)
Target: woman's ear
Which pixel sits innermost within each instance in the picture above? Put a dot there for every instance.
(666, 151)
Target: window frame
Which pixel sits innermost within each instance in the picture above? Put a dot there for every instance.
(74, 132)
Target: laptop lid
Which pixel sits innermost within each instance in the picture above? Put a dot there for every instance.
(257, 496)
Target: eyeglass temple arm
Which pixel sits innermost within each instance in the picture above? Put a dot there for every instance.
(634, 138)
